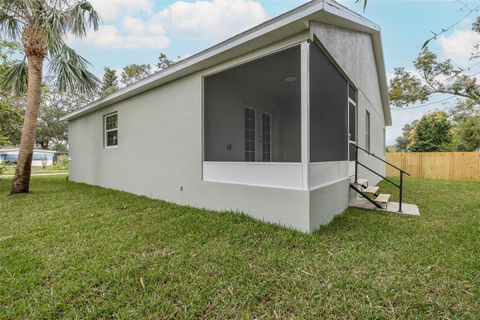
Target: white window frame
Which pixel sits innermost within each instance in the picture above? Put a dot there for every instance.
(269, 133)
(384, 141)
(254, 135)
(105, 131)
(368, 121)
(350, 101)
(350, 162)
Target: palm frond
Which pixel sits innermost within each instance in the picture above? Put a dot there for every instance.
(71, 72)
(10, 20)
(14, 79)
(82, 16)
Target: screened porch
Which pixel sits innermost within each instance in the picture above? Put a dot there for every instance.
(282, 120)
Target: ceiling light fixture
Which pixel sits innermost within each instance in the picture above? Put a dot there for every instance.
(290, 79)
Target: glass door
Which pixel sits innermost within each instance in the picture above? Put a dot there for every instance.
(250, 132)
(266, 138)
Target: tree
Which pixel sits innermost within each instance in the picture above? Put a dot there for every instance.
(109, 82)
(403, 141)
(466, 126)
(11, 117)
(433, 77)
(42, 25)
(54, 105)
(11, 120)
(468, 135)
(431, 133)
(135, 72)
(164, 62)
(50, 128)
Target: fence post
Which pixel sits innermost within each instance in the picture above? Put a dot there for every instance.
(401, 192)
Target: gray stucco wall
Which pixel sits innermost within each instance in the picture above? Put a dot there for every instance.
(353, 52)
(160, 151)
(327, 202)
(160, 144)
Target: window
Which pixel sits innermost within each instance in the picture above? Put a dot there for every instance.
(249, 134)
(111, 130)
(367, 131)
(266, 137)
(384, 141)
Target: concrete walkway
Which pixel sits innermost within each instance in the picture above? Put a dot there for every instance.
(6, 176)
(407, 208)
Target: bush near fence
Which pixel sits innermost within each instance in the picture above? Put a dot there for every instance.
(436, 165)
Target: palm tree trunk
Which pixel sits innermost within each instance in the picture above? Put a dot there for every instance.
(21, 182)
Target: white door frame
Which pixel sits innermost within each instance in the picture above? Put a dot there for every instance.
(351, 163)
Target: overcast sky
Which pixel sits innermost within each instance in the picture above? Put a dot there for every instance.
(136, 31)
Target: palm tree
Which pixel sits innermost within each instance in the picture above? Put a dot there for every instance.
(42, 25)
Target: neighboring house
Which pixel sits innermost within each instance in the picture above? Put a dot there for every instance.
(40, 157)
(259, 123)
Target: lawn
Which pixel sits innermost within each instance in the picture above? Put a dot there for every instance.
(71, 250)
(10, 170)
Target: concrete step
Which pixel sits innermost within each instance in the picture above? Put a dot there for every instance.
(363, 182)
(371, 189)
(382, 199)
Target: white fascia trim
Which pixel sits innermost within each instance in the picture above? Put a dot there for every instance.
(185, 67)
(382, 76)
(337, 9)
(149, 82)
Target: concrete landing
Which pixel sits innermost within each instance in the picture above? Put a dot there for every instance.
(407, 209)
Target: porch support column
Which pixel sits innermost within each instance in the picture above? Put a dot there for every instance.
(305, 112)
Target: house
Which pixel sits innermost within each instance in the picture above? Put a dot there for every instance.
(264, 123)
(40, 157)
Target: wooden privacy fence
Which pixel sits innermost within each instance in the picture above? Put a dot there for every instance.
(436, 165)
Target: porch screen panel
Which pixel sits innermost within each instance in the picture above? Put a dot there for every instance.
(252, 110)
(328, 109)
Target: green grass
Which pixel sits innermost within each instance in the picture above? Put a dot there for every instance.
(10, 170)
(70, 250)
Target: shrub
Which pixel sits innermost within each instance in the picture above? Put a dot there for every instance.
(61, 163)
(3, 166)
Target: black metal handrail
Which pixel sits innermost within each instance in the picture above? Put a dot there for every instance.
(374, 155)
(402, 172)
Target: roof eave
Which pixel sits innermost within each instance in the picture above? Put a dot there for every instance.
(298, 17)
(295, 15)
